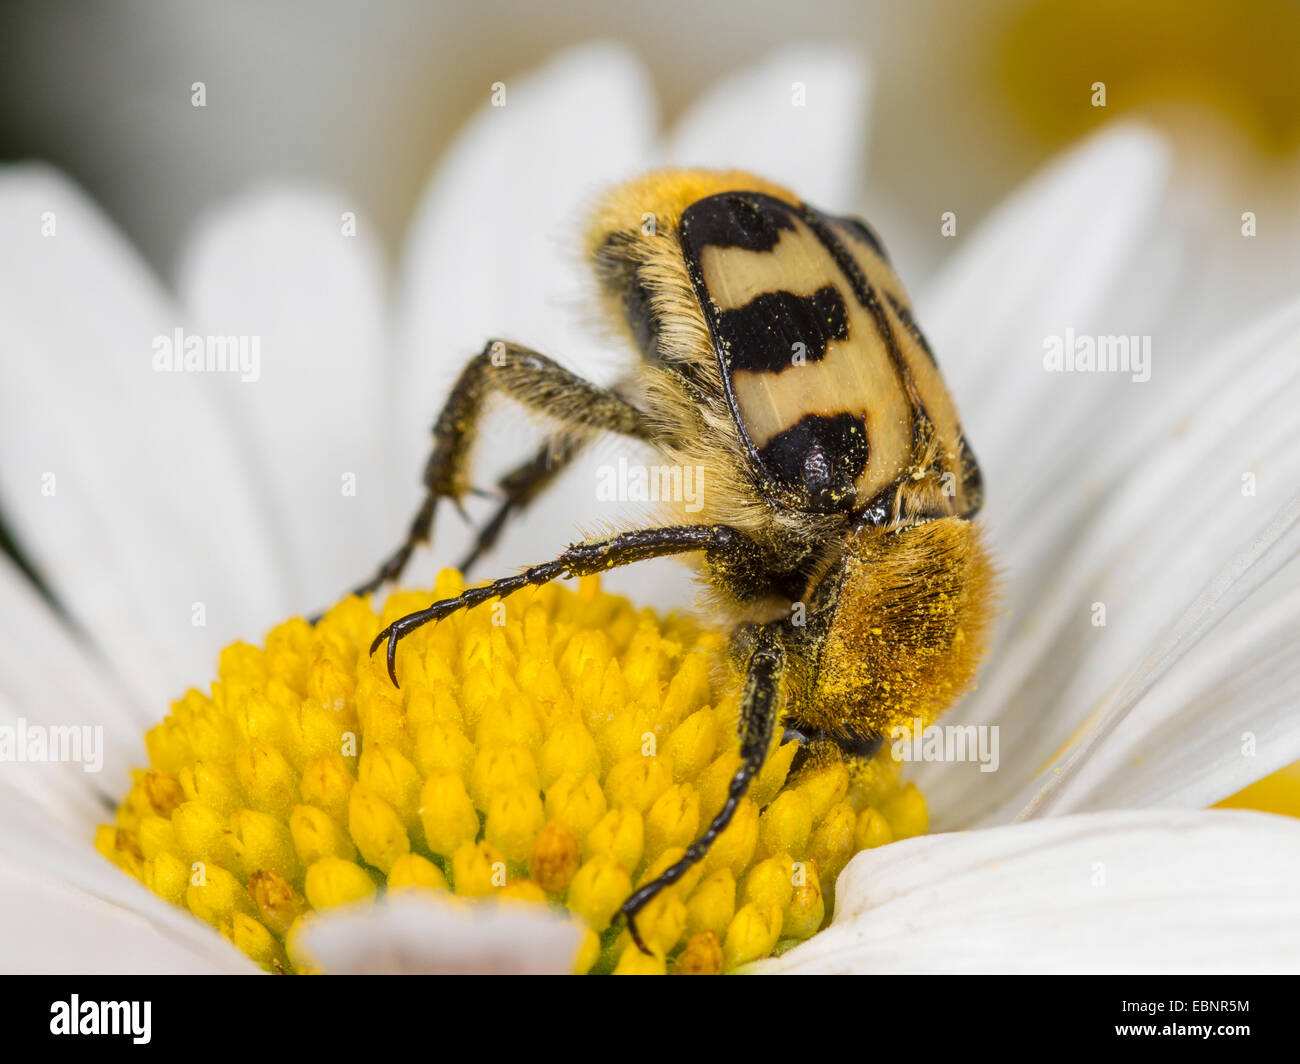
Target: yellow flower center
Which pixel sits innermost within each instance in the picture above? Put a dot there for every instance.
(556, 748)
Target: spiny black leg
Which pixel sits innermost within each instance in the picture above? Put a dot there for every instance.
(528, 377)
(758, 712)
(581, 559)
(520, 487)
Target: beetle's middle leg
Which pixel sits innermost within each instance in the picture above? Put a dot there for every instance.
(530, 378)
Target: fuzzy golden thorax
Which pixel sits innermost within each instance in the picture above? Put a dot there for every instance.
(896, 629)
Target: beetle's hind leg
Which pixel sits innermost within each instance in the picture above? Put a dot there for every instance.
(532, 379)
(759, 708)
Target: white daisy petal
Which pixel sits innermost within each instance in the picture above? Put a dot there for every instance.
(1115, 892)
(296, 270)
(52, 929)
(49, 681)
(47, 857)
(798, 118)
(122, 484)
(413, 935)
(1221, 719)
(1209, 412)
(1130, 553)
(1249, 570)
(52, 676)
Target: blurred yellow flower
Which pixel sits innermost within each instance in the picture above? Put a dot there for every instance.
(1237, 59)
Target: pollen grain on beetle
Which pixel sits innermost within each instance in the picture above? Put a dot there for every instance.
(560, 751)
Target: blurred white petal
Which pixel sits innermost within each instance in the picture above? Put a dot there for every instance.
(1047, 257)
(151, 511)
(1112, 892)
(412, 934)
(277, 265)
(494, 250)
(798, 118)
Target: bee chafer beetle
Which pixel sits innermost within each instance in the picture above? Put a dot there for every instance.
(778, 355)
